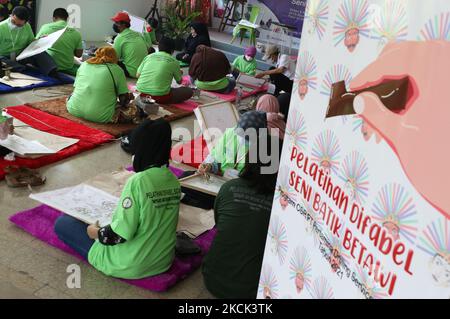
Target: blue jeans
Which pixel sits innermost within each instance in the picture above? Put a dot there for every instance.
(73, 233)
(229, 88)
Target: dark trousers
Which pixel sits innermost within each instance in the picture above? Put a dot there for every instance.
(230, 87)
(73, 233)
(43, 62)
(281, 82)
(180, 56)
(124, 68)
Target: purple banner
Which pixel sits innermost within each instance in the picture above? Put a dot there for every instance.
(287, 12)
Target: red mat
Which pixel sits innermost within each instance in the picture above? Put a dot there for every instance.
(89, 138)
(192, 153)
(231, 97)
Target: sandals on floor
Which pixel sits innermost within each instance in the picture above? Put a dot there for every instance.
(23, 177)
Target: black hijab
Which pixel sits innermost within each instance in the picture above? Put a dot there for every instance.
(202, 38)
(152, 143)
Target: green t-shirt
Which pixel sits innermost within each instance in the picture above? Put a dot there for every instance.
(213, 85)
(14, 40)
(244, 66)
(94, 97)
(63, 51)
(230, 152)
(232, 266)
(156, 74)
(131, 49)
(150, 38)
(147, 217)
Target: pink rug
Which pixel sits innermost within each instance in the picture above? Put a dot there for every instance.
(39, 223)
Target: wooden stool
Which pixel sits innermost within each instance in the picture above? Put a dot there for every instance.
(229, 13)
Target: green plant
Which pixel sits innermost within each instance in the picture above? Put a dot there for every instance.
(176, 25)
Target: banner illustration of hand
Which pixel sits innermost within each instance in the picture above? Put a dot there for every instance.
(419, 135)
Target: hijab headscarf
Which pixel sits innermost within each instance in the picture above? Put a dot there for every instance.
(251, 120)
(209, 65)
(104, 55)
(202, 38)
(151, 145)
(275, 121)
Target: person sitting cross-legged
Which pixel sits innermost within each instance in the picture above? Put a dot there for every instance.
(140, 241)
(156, 73)
(15, 35)
(67, 46)
(100, 91)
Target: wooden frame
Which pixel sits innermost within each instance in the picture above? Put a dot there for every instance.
(198, 182)
(220, 115)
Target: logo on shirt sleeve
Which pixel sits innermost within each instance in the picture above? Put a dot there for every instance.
(127, 203)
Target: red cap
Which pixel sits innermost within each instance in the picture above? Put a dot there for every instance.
(121, 17)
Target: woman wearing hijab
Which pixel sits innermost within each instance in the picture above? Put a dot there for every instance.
(275, 120)
(228, 157)
(100, 82)
(199, 36)
(209, 69)
(140, 241)
(242, 211)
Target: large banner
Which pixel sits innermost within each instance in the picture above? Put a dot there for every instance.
(362, 205)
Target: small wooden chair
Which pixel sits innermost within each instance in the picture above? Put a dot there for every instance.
(231, 8)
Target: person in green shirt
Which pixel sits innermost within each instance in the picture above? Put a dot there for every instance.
(129, 45)
(245, 63)
(15, 36)
(209, 69)
(100, 82)
(156, 73)
(67, 46)
(229, 154)
(232, 267)
(140, 241)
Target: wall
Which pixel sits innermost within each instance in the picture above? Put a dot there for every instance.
(95, 14)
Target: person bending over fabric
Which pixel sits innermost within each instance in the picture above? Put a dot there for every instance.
(228, 156)
(232, 267)
(245, 63)
(67, 46)
(15, 36)
(156, 73)
(199, 36)
(130, 46)
(282, 76)
(275, 120)
(98, 85)
(209, 69)
(140, 241)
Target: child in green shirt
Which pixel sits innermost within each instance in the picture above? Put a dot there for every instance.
(245, 63)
